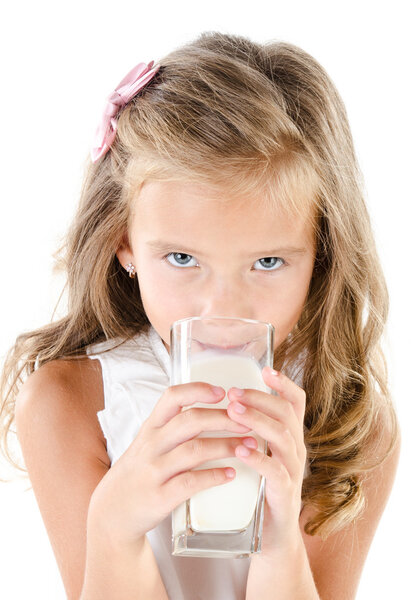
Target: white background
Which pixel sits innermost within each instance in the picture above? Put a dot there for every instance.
(60, 62)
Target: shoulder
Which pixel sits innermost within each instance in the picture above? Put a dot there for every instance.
(64, 453)
(337, 562)
(76, 378)
(64, 392)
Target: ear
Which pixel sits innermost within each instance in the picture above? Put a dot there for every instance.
(124, 252)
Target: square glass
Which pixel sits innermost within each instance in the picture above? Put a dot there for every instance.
(224, 521)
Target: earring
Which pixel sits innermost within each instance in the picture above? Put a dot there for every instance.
(130, 268)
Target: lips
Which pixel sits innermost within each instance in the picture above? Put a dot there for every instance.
(222, 346)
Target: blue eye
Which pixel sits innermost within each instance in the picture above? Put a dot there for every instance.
(273, 262)
(183, 260)
(180, 256)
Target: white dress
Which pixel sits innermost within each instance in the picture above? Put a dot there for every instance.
(135, 375)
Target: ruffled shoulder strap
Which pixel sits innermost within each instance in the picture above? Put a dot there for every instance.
(135, 374)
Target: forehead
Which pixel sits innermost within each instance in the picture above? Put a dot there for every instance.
(187, 210)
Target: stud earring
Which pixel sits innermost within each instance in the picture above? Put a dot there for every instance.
(130, 268)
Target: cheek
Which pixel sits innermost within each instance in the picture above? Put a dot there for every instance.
(284, 322)
(163, 302)
(154, 287)
(290, 304)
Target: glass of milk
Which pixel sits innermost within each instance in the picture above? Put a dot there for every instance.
(223, 521)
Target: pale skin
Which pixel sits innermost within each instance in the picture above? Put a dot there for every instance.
(238, 275)
(227, 239)
(231, 271)
(221, 269)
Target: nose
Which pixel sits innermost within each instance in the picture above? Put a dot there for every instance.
(226, 298)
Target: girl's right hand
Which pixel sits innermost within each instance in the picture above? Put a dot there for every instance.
(153, 476)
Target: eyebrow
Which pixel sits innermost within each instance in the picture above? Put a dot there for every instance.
(163, 246)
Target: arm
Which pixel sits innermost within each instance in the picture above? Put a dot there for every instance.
(65, 456)
(119, 572)
(285, 575)
(312, 569)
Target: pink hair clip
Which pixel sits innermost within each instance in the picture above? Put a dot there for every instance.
(126, 89)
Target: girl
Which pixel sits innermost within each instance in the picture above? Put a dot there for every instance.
(222, 182)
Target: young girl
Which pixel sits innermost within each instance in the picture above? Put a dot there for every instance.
(222, 182)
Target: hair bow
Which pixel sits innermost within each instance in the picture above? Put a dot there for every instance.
(126, 89)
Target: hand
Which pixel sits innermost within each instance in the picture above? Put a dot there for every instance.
(280, 421)
(153, 476)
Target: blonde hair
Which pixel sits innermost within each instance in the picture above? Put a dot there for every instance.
(260, 119)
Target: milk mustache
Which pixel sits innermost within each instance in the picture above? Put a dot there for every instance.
(229, 506)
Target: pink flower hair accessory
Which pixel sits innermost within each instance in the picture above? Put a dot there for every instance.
(128, 87)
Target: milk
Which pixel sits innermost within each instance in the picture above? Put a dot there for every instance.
(229, 506)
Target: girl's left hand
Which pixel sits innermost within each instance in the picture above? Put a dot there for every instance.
(280, 421)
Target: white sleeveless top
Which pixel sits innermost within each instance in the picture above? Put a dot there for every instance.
(135, 375)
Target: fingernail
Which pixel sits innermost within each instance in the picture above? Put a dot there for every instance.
(243, 451)
(218, 390)
(229, 472)
(237, 391)
(250, 442)
(239, 408)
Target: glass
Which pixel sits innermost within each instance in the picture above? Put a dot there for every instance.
(223, 521)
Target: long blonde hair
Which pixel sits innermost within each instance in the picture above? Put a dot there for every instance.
(252, 119)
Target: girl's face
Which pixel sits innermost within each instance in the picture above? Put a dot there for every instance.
(201, 255)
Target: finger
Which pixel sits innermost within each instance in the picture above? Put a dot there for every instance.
(287, 389)
(184, 486)
(275, 407)
(278, 436)
(191, 423)
(176, 397)
(270, 467)
(195, 452)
